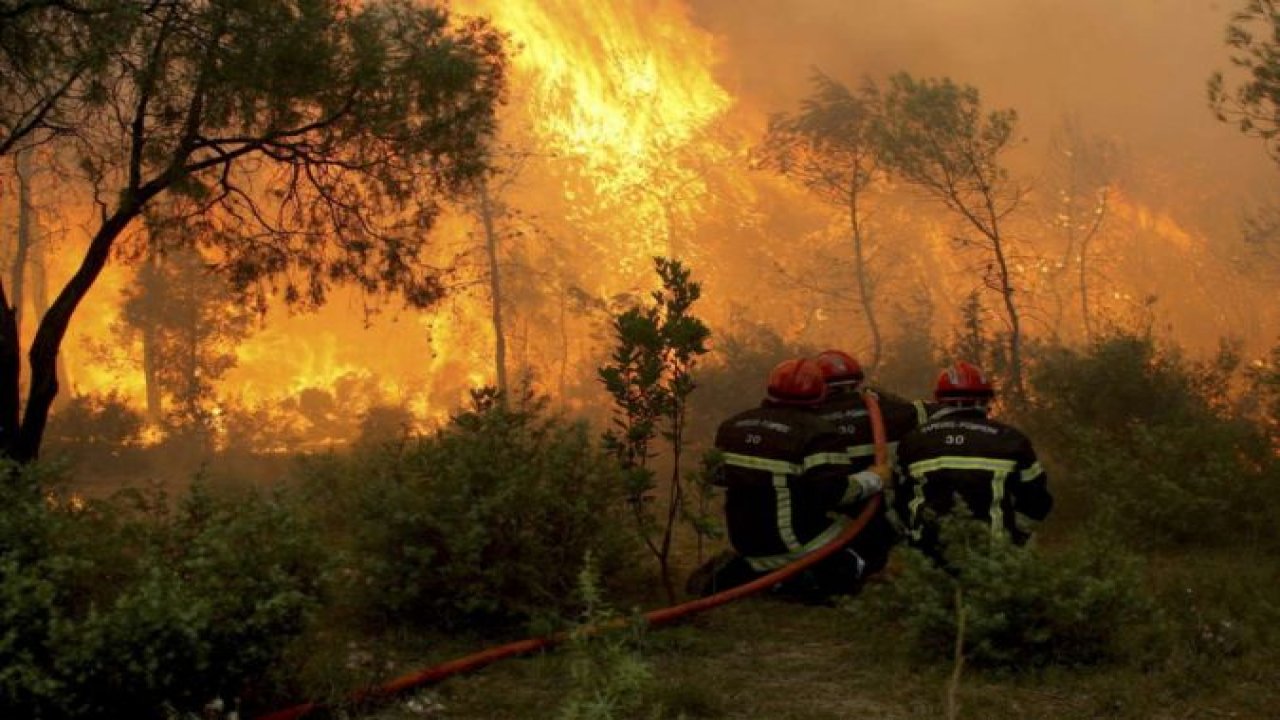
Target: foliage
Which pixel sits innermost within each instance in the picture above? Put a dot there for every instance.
(829, 147)
(306, 144)
(54, 55)
(1254, 104)
(934, 134)
(650, 379)
(911, 356)
(1025, 608)
(1154, 445)
(128, 608)
(188, 325)
(735, 375)
(99, 431)
(608, 677)
(482, 523)
(1264, 392)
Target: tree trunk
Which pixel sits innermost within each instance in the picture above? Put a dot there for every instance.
(10, 371)
(39, 267)
(26, 213)
(495, 288)
(24, 445)
(150, 379)
(1085, 317)
(1011, 311)
(864, 282)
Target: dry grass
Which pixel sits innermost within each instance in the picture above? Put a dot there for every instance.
(766, 658)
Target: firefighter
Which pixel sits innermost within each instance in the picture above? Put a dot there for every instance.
(845, 407)
(961, 454)
(789, 490)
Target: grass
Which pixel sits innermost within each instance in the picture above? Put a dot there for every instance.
(767, 658)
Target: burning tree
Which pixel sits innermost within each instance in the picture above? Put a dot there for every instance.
(933, 134)
(1083, 171)
(315, 139)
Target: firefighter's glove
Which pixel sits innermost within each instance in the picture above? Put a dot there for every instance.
(873, 479)
(885, 472)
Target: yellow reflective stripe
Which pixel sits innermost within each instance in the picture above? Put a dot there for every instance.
(817, 459)
(751, 462)
(922, 413)
(958, 462)
(782, 495)
(913, 510)
(773, 562)
(997, 497)
(1033, 472)
(852, 491)
(862, 450)
(869, 450)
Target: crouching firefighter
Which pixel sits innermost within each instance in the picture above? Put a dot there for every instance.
(789, 490)
(960, 455)
(845, 407)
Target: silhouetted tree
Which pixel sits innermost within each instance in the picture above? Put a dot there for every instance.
(1253, 104)
(828, 147)
(53, 61)
(935, 135)
(316, 139)
(191, 325)
(1081, 172)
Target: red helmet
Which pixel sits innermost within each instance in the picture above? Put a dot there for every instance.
(962, 381)
(839, 367)
(797, 382)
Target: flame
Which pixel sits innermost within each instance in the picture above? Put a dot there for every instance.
(618, 85)
(627, 130)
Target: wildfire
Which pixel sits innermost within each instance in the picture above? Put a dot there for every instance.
(616, 109)
(618, 85)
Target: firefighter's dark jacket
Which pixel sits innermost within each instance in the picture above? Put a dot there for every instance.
(787, 478)
(961, 454)
(847, 411)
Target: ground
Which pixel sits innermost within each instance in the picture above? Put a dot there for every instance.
(766, 658)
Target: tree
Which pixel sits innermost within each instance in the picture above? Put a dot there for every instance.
(934, 134)
(190, 326)
(828, 147)
(1083, 170)
(52, 57)
(1254, 104)
(315, 139)
(650, 380)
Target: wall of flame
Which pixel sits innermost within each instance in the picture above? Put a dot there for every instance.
(627, 135)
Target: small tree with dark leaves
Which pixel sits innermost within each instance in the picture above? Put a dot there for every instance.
(650, 377)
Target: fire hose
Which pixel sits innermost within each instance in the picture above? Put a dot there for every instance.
(653, 618)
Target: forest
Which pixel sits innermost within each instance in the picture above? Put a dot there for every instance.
(341, 340)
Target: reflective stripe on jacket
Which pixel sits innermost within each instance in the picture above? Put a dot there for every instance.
(787, 476)
(961, 455)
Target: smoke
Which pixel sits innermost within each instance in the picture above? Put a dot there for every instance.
(1134, 70)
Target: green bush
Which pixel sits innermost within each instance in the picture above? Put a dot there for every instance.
(608, 676)
(128, 608)
(484, 522)
(1024, 608)
(1154, 444)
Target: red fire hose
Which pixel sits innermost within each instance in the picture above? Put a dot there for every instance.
(652, 618)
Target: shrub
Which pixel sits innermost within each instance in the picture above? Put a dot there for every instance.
(97, 432)
(485, 521)
(1024, 608)
(1154, 444)
(124, 608)
(608, 677)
